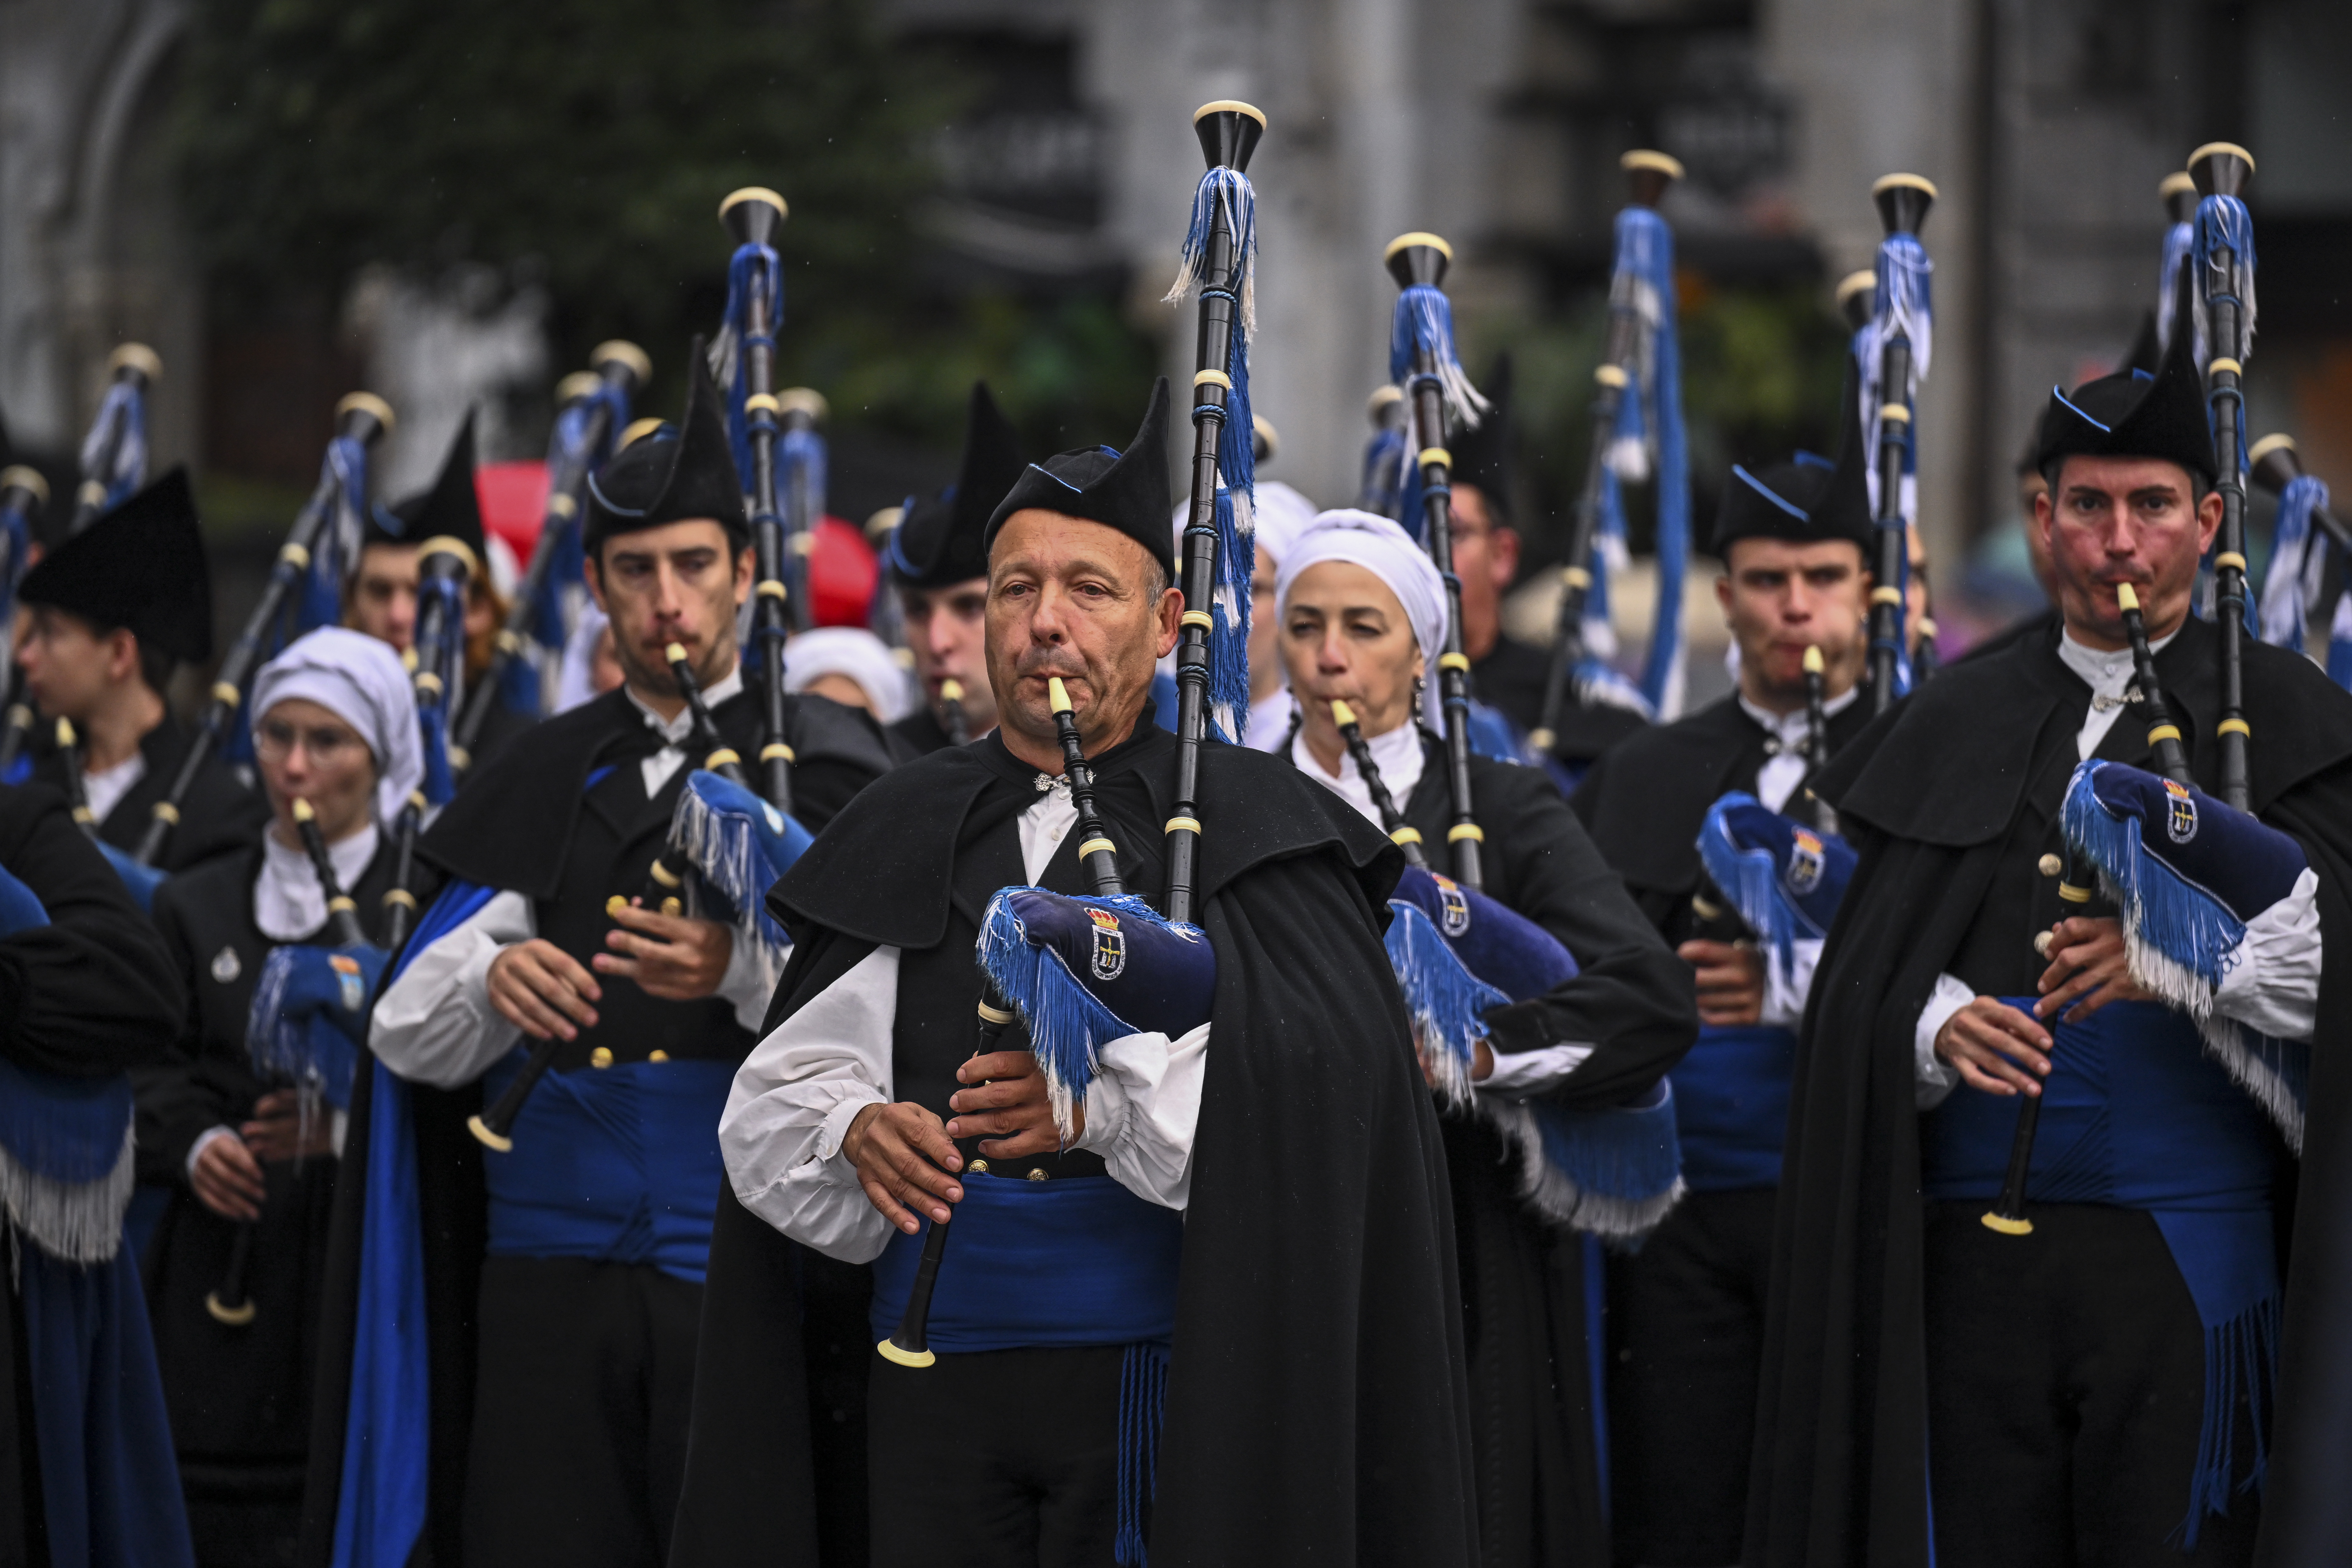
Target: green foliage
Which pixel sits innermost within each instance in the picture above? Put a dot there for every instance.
(1761, 369)
(586, 143)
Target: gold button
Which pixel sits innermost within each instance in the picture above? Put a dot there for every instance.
(658, 1056)
(979, 1167)
(1035, 1174)
(602, 1057)
(2051, 865)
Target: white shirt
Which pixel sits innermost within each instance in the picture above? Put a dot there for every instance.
(105, 788)
(1396, 757)
(2269, 984)
(797, 1093)
(288, 902)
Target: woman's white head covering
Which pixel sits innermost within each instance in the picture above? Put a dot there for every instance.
(857, 653)
(576, 682)
(1386, 551)
(360, 680)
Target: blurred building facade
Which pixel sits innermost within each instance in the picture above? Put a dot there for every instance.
(2045, 123)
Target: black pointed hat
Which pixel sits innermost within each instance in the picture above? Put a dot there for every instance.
(140, 566)
(1806, 501)
(679, 472)
(451, 508)
(942, 538)
(2132, 413)
(1482, 457)
(1125, 490)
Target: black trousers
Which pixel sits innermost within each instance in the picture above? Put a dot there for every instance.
(586, 1375)
(2066, 1388)
(1003, 1459)
(1686, 1326)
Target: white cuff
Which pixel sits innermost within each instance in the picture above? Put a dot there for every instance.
(2270, 981)
(1785, 993)
(1936, 1078)
(1142, 1107)
(1520, 1074)
(206, 1136)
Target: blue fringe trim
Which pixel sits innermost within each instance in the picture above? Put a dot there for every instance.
(1142, 1409)
(1067, 1024)
(1445, 1002)
(2241, 1358)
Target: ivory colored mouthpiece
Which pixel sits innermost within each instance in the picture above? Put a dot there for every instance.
(2126, 597)
(1813, 661)
(1342, 714)
(1057, 694)
(675, 653)
(301, 809)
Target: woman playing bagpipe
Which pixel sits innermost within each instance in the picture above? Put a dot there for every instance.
(1688, 1310)
(85, 993)
(249, 1115)
(533, 1153)
(1227, 1211)
(1363, 614)
(2091, 1378)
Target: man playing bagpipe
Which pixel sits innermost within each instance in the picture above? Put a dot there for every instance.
(530, 1405)
(938, 569)
(1199, 1286)
(2077, 1368)
(1362, 623)
(108, 614)
(86, 991)
(248, 1119)
(381, 598)
(1688, 1308)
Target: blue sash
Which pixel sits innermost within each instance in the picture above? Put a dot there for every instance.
(2136, 1114)
(1731, 1107)
(617, 1164)
(1079, 1261)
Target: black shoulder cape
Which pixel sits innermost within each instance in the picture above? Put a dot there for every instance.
(1316, 1408)
(1928, 794)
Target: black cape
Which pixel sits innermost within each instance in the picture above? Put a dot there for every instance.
(513, 825)
(239, 1397)
(1949, 797)
(222, 814)
(88, 995)
(1316, 1409)
(1532, 1401)
(1646, 800)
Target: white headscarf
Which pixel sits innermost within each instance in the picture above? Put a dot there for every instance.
(360, 680)
(857, 653)
(1386, 551)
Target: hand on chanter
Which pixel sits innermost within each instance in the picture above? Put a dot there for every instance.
(1008, 1107)
(1730, 982)
(1995, 1047)
(2088, 969)
(903, 1158)
(674, 957)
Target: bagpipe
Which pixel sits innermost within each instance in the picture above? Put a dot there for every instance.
(307, 1025)
(1640, 356)
(1422, 361)
(1080, 971)
(1899, 342)
(113, 457)
(316, 551)
(2223, 261)
(778, 457)
(114, 465)
(592, 407)
(1458, 953)
(444, 568)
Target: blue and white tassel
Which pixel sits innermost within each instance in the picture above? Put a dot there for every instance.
(1225, 193)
